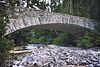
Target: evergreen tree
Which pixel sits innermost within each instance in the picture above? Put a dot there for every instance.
(5, 44)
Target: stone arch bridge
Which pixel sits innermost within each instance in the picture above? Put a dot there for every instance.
(27, 18)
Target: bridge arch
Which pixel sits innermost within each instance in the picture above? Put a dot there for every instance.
(31, 18)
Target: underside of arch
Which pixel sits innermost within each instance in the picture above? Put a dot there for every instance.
(75, 30)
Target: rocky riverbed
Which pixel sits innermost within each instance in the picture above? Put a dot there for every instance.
(57, 56)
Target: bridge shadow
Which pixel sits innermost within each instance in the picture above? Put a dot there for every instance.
(75, 30)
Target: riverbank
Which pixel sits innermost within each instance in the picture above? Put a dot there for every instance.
(58, 56)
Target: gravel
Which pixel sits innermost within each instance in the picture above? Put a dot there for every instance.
(58, 56)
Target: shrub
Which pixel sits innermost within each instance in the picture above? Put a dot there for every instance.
(33, 40)
(42, 39)
(96, 36)
(85, 41)
(63, 39)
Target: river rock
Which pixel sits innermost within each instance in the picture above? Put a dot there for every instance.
(91, 65)
(57, 56)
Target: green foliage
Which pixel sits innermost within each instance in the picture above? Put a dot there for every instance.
(42, 5)
(42, 39)
(66, 7)
(42, 35)
(21, 37)
(96, 35)
(83, 8)
(50, 36)
(85, 41)
(34, 41)
(60, 39)
(63, 39)
(39, 40)
(5, 44)
(91, 38)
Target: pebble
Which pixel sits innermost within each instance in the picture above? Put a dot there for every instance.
(97, 65)
(57, 56)
(91, 65)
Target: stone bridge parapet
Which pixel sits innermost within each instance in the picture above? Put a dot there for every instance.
(23, 18)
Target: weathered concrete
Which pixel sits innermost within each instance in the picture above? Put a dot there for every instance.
(31, 18)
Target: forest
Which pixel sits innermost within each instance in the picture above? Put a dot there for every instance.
(84, 8)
